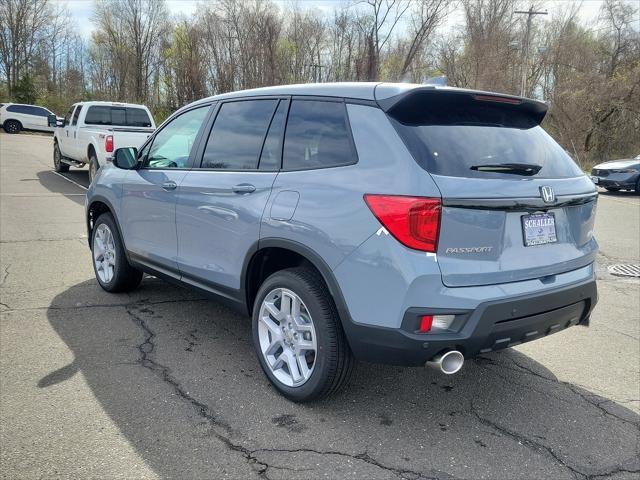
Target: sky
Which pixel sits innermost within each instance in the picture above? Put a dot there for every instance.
(81, 10)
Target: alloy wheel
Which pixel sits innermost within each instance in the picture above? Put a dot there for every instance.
(287, 337)
(104, 253)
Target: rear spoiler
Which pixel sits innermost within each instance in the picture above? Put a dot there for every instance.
(432, 105)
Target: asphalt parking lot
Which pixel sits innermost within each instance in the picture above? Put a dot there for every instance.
(161, 383)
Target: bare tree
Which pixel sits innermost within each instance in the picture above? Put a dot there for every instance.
(22, 25)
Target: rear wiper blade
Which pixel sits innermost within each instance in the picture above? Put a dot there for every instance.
(516, 168)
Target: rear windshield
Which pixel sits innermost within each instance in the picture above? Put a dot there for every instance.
(480, 150)
(117, 116)
(469, 135)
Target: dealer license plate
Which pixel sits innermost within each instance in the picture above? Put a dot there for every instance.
(538, 229)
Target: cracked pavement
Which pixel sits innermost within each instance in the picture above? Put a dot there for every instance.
(161, 383)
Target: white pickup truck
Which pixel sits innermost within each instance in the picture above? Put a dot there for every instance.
(91, 131)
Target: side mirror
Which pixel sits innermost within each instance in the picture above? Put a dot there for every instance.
(126, 158)
(52, 120)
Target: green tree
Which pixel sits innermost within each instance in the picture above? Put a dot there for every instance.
(25, 90)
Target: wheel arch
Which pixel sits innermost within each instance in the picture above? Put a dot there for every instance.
(91, 148)
(254, 270)
(96, 207)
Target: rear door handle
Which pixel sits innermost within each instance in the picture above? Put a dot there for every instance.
(244, 188)
(168, 186)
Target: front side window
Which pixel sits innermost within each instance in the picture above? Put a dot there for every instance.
(237, 135)
(67, 117)
(172, 145)
(41, 112)
(317, 136)
(76, 114)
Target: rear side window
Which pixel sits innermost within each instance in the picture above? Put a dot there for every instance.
(458, 136)
(119, 116)
(237, 135)
(317, 136)
(272, 149)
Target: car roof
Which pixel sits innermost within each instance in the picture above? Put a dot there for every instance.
(110, 104)
(8, 104)
(368, 91)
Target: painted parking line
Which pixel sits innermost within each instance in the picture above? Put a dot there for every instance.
(69, 180)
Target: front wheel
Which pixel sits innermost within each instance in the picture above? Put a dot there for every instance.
(638, 187)
(58, 165)
(298, 337)
(110, 264)
(612, 189)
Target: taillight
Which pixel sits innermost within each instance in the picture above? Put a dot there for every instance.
(108, 143)
(413, 221)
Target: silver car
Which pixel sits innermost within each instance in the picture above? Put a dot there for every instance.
(393, 223)
(618, 175)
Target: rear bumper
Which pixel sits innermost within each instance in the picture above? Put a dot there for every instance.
(491, 326)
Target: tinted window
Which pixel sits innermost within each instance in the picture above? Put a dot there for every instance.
(272, 149)
(114, 115)
(40, 112)
(454, 149)
(172, 145)
(19, 109)
(67, 117)
(76, 114)
(317, 136)
(237, 135)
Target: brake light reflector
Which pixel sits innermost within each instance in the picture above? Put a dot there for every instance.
(425, 323)
(492, 98)
(108, 143)
(413, 221)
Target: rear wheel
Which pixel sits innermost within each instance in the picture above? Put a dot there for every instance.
(298, 337)
(612, 189)
(113, 272)
(93, 167)
(12, 126)
(57, 160)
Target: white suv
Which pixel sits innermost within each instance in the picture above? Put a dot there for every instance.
(15, 117)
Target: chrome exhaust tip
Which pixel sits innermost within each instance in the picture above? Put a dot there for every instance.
(448, 362)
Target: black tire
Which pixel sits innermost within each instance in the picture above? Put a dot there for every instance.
(12, 126)
(93, 167)
(638, 187)
(125, 277)
(58, 166)
(612, 189)
(334, 360)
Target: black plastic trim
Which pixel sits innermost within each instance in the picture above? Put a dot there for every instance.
(519, 203)
(500, 324)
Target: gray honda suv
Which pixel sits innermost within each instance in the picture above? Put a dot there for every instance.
(393, 223)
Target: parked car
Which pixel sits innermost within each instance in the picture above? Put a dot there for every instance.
(618, 175)
(91, 131)
(391, 223)
(16, 117)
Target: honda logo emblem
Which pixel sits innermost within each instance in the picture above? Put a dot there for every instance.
(547, 194)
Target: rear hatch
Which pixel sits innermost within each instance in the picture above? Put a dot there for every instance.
(515, 206)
